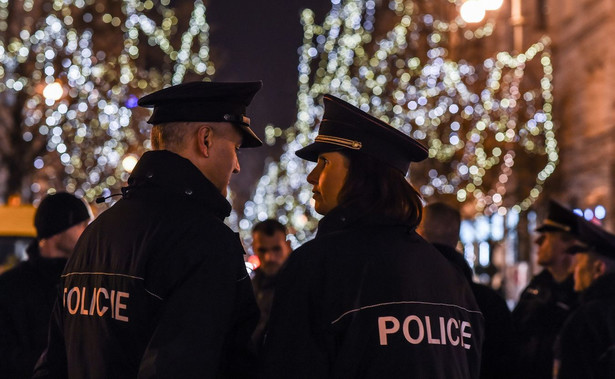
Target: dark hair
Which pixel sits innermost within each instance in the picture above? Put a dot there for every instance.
(373, 187)
(269, 227)
(441, 224)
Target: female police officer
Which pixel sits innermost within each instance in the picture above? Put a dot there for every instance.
(368, 297)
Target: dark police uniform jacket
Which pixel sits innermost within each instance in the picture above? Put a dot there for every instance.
(500, 348)
(27, 295)
(368, 298)
(586, 347)
(157, 286)
(543, 308)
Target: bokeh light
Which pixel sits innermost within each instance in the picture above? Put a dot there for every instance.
(478, 119)
(77, 92)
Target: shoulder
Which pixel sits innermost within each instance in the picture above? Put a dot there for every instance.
(16, 280)
(18, 273)
(537, 285)
(489, 300)
(544, 278)
(310, 253)
(595, 310)
(577, 325)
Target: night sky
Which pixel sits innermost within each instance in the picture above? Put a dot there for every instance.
(258, 40)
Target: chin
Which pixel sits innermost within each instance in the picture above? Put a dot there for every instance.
(320, 210)
(271, 269)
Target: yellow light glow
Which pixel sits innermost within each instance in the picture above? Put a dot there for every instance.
(472, 11)
(492, 5)
(129, 162)
(53, 91)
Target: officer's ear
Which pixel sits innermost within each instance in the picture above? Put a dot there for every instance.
(204, 139)
(599, 268)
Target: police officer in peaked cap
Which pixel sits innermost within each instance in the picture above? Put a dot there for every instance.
(586, 346)
(157, 286)
(549, 298)
(368, 297)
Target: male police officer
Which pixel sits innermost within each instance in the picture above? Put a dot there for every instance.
(549, 298)
(157, 286)
(586, 347)
(28, 291)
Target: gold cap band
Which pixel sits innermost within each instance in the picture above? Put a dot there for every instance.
(548, 222)
(355, 145)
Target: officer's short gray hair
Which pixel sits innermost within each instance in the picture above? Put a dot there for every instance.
(171, 135)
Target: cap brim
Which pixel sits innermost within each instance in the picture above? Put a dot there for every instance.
(549, 228)
(312, 151)
(577, 248)
(249, 137)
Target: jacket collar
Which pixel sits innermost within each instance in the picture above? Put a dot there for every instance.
(341, 218)
(456, 258)
(601, 288)
(173, 173)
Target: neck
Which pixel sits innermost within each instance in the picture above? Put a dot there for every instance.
(194, 158)
(559, 272)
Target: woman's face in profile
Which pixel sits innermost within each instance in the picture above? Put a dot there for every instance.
(328, 178)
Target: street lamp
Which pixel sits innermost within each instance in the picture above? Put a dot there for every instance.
(53, 91)
(473, 11)
(492, 5)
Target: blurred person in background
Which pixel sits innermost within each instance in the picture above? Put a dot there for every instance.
(270, 245)
(549, 298)
(28, 291)
(368, 297)
(586, 345)
(440, 226)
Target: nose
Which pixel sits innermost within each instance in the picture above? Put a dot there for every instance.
(312, 177)
(268, 256)
(236, 169)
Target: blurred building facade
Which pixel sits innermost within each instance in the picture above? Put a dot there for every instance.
(501, 248)
(584, 91)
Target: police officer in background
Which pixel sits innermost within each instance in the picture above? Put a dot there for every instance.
(549, 298)
(586, 346)
(28, 291)
(157, 286)
(368, 297)
(440, 226)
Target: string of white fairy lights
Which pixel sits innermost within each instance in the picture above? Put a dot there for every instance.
(475, 118)
(88, 121)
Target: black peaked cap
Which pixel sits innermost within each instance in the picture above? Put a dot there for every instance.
(345, 126)
(206, 101)
(559, 219)
(594, 238)
(590, 237)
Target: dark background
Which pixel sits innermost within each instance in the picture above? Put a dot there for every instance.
(259, 40)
